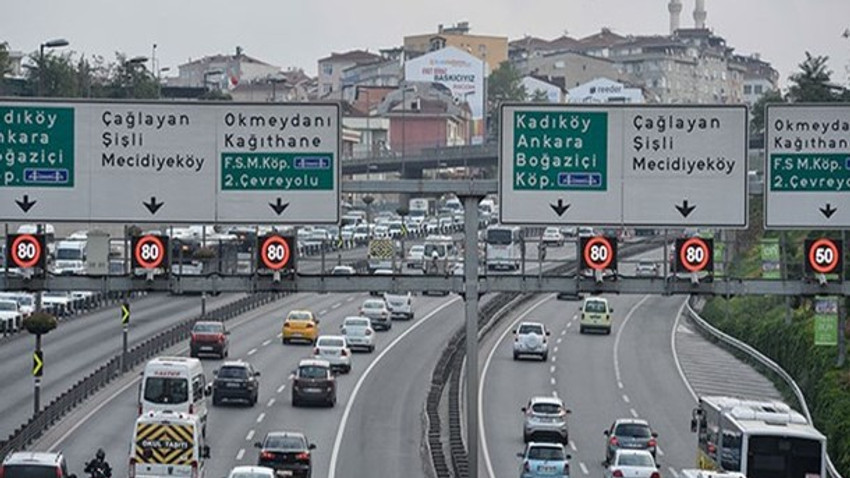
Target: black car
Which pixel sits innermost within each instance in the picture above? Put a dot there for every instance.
(236, 380)
(313, 382)
(286, 452)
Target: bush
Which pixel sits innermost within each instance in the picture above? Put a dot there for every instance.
(40, 323)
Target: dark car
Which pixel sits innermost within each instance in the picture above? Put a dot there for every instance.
(288, 453)
(209, 337)
(313, 382)
(236, 380)
(629, 433)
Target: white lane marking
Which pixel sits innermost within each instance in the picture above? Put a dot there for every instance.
(552, 380)
(554, 358)
(659, 450)
(625, 398)
(250, 435)
(564, 332)
(261, 417)
(323, 312)
(552, 369)
(617, 339)
(481, 430)
(280, 389)
(350, 298)
(583, 468)
(573, 446)
(575, 316)
(633, 412)
(347, 412)
(252, 352)
(280, 335)
(673, 472)
(676, 356)
(336, 306)
(241, 454)
(271, 402)
(555, 393)
(560, 339)
(265, 343)
(555, 350)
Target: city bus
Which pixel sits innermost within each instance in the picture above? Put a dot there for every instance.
(503, 247)
(762, 439)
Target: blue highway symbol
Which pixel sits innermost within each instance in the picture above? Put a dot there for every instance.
(45, 175)
(590, 180)
(302, 162)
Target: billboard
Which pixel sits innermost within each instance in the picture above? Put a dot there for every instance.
(460, 72)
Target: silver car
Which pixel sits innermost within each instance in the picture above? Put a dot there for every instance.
(358, 333)
(530, 338)
(545, 420)
(334, 349)
(400, 305)
(376, 309)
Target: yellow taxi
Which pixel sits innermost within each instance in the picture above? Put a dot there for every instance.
(300, 325)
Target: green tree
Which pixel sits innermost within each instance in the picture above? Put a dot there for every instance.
(757, 122)
(539, 96)
(812, 82)
(5, 65)
(129, 79)
(504, 84)
(53, 75)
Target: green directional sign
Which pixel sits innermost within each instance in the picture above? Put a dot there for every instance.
(246, 171)
(810, 172)
(37, 146)
(560, 150)
(826, 321)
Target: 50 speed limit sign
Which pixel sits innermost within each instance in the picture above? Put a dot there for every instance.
(824, 256)
(150, 251)
(598, 252)
(276, 252)
(25, 250)
(694, 254)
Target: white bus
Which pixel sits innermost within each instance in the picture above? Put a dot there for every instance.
(762, 439)
(503, 247)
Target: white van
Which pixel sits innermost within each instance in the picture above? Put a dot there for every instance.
(176, 384)
(70, 257)
(168, 444)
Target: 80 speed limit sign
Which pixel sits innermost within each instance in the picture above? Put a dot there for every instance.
(150, 251)
(276, 252)
(823, 256)
(598, 252)
(694, 254)
(25, 250)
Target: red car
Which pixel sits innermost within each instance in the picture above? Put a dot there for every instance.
(211, 338)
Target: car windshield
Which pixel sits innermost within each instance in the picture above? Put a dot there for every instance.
(551, 231)
(8, 305)
(299, 315)
(546, 453)
(594, 306)
(549, 408)
(247, 474)
(312, 371)
(233, 372)
(632, 430)
(417, 249)
(373, 305)
(326, 342)
(207, 328)
(284, 442)
(499, 236)
(29, 471)
(635, 459)
(357, 323)
(530, 329)
(162, 390)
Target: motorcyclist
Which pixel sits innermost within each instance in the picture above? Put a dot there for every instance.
(98, 467)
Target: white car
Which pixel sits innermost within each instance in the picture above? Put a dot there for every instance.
(334, 349)
(552, 237)
(377, 311)
(358, 333)
(632, 464)
(251, 472)
(343, 271)
(415, 255)
(530, 339)
(381, 231)
(10, 316)
(400, 305)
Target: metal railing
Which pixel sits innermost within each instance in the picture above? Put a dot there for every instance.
(758, 357)
(111, 370)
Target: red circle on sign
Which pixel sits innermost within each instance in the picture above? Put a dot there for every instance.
(146, 263)
(690, 266)
(815, 265)
(275, 264)
(608, 258)
(23, 262)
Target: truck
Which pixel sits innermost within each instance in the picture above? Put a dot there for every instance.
(421, 208)
(381, 254)
(167, 443)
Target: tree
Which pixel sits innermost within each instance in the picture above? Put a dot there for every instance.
(53, 75)
(5, 64)
(812, 82)
(757, 122)
(539, 96)
(129, 79)
(504, 84)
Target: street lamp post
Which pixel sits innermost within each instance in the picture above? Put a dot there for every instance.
(130, 67)
(59, 42)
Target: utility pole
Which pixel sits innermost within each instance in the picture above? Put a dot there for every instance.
(470, 288)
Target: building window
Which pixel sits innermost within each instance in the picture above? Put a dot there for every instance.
(326, 89)
(758, 89)
(437, 43)
(327, 69)
(748, 89)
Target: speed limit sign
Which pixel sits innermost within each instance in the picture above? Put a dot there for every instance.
(598, 252)
(276, 252)
(25, 250)
(149, 251)
(823, 256)
(694, 254)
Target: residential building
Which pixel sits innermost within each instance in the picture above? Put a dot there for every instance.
(361, 116)
(605, 90)
(572, 68)
(385, 73)
(535, 87)
(16, 64)
(759, 77)
(331, 70)
(292, 85)
(223, 72)
(492, 49)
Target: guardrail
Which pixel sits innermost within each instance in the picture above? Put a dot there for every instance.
(111, 370)
(732, 343)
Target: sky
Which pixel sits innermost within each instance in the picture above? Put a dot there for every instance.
(296, 33)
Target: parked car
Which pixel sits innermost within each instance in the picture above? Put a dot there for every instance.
(236, 380)
(376, 309)
(334, 349)
(209, 337)
(288, 453)
(629, 433)
(313, 382)
(530, 338)
(549, 460)
(358, 333)
(545, 420)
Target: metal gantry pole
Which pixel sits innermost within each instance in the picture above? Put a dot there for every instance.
(470, 277)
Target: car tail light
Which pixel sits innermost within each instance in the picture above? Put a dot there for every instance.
(342, 331)
(220, 338)
(266, 455)
(133, 467)
(527, 467)
(191, 408)
(344, 352)
(566, 469)
(193, 337)
(617, 474)
(303, 456)
(286, 325)
(651, 443)
(614, 441)
(368, 332)
(655, 474)
(2, 471)
(58, 472)
(140, 409)
(309, 325)
(194, 468)
(315, 350)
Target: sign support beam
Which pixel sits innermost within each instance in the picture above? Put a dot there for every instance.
(471, 291)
